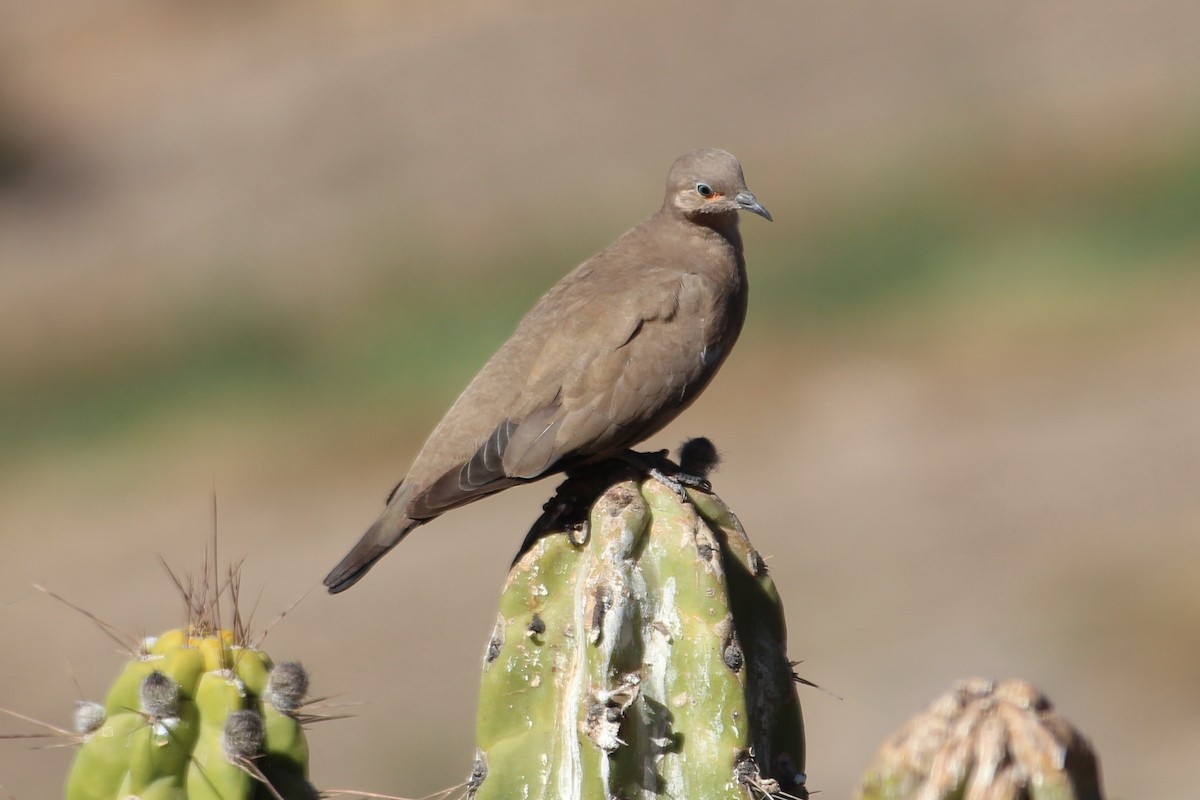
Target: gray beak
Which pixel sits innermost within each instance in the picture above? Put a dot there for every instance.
(747, 202)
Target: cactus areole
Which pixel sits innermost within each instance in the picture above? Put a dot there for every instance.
(640, 652)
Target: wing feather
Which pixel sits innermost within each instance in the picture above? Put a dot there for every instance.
(590, 391)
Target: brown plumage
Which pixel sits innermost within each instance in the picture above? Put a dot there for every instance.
(611, 354)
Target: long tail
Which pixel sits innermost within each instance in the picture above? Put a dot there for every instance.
(381, 537)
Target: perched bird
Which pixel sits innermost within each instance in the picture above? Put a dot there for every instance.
(610, 355)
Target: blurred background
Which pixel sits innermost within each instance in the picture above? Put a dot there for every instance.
(254, 249)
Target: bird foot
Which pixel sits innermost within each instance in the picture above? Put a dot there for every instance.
(659, 467)
(680, 482)
(568, 509)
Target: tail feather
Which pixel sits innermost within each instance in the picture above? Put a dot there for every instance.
(381, 537)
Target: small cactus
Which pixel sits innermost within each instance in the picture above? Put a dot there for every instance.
(985, 741)
(639, 652)
(192, 717)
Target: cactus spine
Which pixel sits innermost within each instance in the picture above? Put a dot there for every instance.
(645, 658)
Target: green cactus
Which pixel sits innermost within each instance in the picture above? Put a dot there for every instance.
(639, 652)
(195, 716)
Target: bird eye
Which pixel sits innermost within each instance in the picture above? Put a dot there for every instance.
(704, 190)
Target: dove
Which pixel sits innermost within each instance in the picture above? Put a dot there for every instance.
(606, 358)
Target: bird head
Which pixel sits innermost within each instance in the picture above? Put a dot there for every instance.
(707, 182)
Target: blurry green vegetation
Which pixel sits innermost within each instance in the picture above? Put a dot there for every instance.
(906, 246)
(266, 363)
(934, 238)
